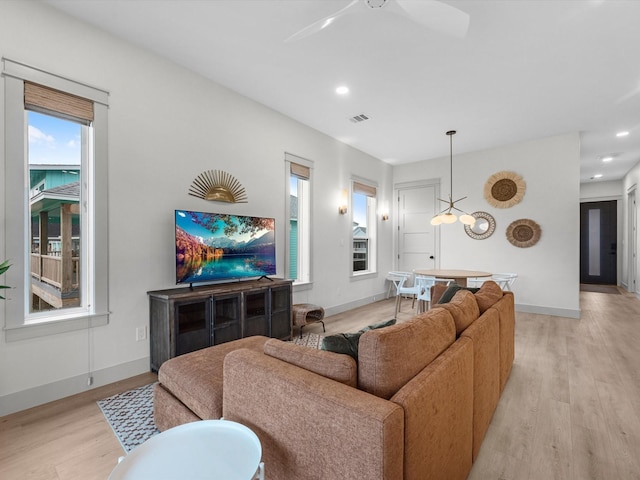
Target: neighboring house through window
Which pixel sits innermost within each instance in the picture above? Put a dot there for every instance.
(55, 167)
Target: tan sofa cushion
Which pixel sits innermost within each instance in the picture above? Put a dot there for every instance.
(390, 357)
(463, 308)
(485, 335)
(339, 367)
(489, 293)
(168, 411)
(438, 409)
(506, 312)
(196, 378)
(311, 427)
(436, 293)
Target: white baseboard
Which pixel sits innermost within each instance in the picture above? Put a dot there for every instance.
(556, 312)
(32, 397)
(355, 304)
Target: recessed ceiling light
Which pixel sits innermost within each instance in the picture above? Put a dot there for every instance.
(597, 175)
(622, 134)
(342, 90)
(607, 159)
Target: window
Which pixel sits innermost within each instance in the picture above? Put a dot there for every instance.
(363, 208)
(56, 202)
(55, 162)
(298, 260)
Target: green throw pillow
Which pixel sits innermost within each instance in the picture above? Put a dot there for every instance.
(347, 343)
(451, 291)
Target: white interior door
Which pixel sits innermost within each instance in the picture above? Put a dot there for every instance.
(417, 239)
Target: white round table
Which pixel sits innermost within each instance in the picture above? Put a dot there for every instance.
(208, 449)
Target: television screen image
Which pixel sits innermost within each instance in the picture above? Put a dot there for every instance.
(215, 247)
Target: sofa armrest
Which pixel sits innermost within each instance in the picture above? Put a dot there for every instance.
(506, 311)
(438, 406)
(311, 427)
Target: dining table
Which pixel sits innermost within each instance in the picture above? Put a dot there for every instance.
(460, 276)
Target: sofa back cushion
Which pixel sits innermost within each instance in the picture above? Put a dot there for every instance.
(338, 367)
(388, 358)
(463, 307)
(489, 293)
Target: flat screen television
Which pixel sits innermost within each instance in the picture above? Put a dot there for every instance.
(213, 247)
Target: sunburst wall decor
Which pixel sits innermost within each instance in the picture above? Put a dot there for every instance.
(218, 186)
(504, 189)
(523, 233)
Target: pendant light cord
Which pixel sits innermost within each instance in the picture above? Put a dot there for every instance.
(451, 133)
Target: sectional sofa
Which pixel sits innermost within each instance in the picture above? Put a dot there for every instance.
(415, 405)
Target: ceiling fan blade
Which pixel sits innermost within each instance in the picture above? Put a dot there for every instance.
(315, 27)
(437, 16)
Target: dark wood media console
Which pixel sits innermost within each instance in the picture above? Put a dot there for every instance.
(182, 320)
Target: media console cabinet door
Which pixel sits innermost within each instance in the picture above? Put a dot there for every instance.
(227, 319)
(186, 319)
(256, 311)
(192, 325)
(281, 313)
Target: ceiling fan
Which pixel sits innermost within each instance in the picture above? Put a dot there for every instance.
(432, 14)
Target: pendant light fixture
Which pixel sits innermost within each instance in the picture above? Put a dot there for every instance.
(446, 215)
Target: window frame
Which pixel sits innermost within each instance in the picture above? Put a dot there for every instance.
(308, 244)
(19, 323)
(372, 227)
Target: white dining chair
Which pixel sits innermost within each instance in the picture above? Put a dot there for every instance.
(424, 284)
(404, 287)
(394, 279)
(505, 280)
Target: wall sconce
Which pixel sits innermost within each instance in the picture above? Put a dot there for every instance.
(342, 208)
(384, 211)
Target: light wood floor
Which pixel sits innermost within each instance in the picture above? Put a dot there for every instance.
(570, 411)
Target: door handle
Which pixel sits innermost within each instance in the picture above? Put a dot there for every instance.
(431, 257)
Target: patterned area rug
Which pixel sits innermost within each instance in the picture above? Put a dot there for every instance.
(312, 340)
(130, 415)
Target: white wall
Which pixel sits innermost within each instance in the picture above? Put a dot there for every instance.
(596, 191)
(548, 273)
(166, 126)
(629, 183)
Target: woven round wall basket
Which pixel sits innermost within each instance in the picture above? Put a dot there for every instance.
(523, 233)
(504, 189)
